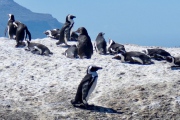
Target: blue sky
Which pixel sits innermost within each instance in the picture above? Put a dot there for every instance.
(142, 22)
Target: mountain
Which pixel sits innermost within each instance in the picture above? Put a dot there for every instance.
(37, 22)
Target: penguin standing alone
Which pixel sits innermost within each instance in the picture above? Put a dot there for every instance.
(100, 44)
(10, 27)
(84, 45)
(21, 32)
(86, 87)
(71, 52)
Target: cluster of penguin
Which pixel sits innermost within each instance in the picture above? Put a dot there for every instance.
(84, 49)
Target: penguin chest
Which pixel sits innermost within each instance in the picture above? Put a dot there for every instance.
(92, 87)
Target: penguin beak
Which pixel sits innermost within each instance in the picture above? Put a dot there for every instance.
(77, 31)
(45, 33)
(72, 17)
(98, 68)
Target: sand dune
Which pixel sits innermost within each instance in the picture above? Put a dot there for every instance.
(40, 87)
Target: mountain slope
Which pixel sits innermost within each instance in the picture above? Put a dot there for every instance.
(37, 23)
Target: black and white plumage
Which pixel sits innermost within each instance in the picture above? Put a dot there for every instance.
(115, 48)
(54, 33)
(74, 36)
(68, 31)
(37, 48)
(71, 52)
(62, 38)
(84, 45)
(134, 57)
(86, 87)
(21, 33)
(157, 54)
(11, 29)
(174, 60)
(100, 44)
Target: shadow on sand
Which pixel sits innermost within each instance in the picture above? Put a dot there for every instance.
(100, 109)
(175, 67)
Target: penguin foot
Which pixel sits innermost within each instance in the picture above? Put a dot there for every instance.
(68, 46)
(16, 46)
(73, 102)
(79, 105)
(58, 43)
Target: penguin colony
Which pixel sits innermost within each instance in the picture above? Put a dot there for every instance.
(84, 49)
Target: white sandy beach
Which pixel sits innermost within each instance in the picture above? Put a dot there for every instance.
(40, 87)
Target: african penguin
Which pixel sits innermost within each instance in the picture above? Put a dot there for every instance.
(100, 44)
(11, 29)
(174, 60)
(84, 44)
(62, 38)
(115, 48)
(157, 54)
(21, 32)
(38, 48)
(68, 31)
(86, 87)
(74, 36)
(133, 57)
(54, 33)
(71, 52)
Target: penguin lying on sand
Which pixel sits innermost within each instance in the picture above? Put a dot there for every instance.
(134, 57)
(157, 54)
(54, 33)
(71, 52)
(37, 48)
(175, 61)
(86, 87)
(115, 48)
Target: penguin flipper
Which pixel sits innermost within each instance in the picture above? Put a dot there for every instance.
(28, 33)
(137, 59)
(86, 85)
(159, 57)
(85, 89)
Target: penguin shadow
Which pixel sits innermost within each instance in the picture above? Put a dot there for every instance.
(64, 46)
(100, 109)
(21, 45)
(175, 67)
(139, 63)
(136, 63)
(101, 53)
